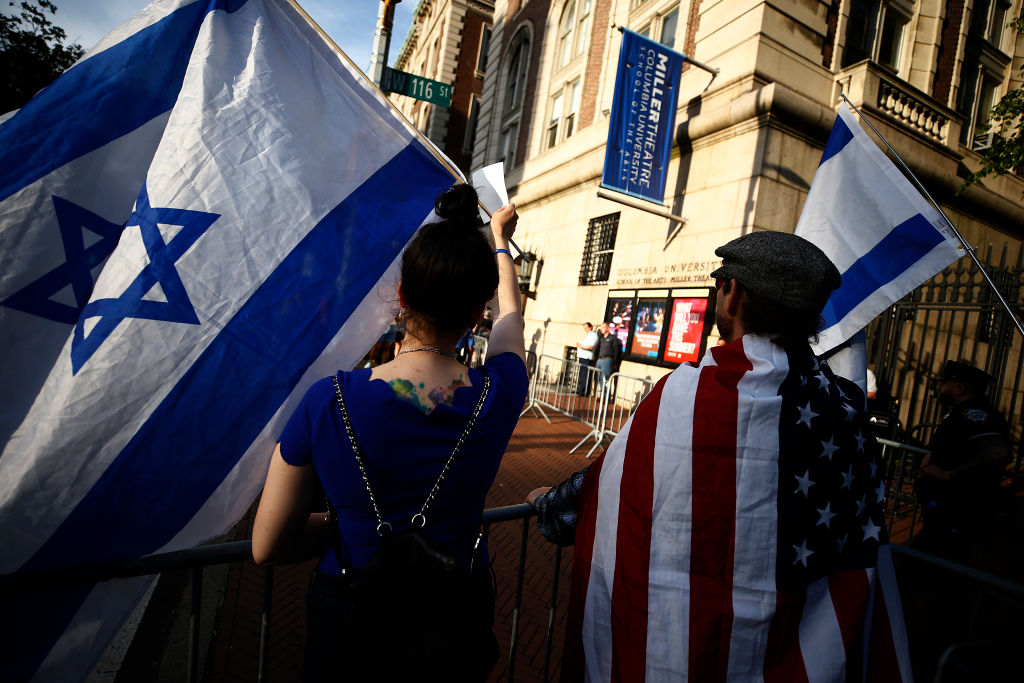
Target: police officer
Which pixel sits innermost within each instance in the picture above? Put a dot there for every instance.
(960, 479)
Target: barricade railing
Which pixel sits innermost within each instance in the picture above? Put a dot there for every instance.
(566, 387)
(196, 559)
(970, 585)
(582, 393)
(900, 462)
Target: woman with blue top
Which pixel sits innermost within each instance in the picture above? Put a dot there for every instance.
(406, 417)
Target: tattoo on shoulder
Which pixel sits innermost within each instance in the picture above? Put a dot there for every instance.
(408, 391)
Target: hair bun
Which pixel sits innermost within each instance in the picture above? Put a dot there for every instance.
(459, 202)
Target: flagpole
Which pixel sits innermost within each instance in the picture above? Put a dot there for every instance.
(970, 250)
(426, 141)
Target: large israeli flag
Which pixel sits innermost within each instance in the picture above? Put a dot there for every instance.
(881, 234)
(197, 220)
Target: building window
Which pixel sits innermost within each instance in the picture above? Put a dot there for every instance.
(573, 31)
(555, 119)
(583, 33)
(471, 124)
(668, 28)
(485, 46)
(597, 253)
(663, 26)
(515, 82)
(988, 20)
(982, 72)
(875, 31)
(507, 149)
(564, 110)
(566, 29)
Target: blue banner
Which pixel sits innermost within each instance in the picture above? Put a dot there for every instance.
(641, 130)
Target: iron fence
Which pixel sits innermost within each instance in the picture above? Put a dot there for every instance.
(954, 316)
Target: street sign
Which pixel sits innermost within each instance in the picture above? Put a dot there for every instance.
(421, 88)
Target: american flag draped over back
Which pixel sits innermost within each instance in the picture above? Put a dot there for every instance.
(734, 531)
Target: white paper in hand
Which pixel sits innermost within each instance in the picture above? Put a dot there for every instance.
(489, 182)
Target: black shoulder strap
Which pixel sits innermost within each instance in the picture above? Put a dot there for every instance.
(419, 519)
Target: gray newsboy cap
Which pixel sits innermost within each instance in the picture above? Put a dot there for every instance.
(781, 267)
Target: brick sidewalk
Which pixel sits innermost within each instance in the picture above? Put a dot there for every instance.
(537, 455)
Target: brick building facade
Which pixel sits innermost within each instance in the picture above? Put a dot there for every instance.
(448, 42)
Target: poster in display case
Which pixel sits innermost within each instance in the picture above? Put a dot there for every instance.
(660, 326)
(650, 322)
(619, 314)
(686, 329)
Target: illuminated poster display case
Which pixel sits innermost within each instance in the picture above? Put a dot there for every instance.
(663, 327)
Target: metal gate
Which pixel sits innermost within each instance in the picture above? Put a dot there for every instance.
(954, 316)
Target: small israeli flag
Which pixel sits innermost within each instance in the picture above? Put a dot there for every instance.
(882, 235)
(199, 219)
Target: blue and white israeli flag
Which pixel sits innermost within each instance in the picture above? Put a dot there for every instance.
(882, 235)
(198, 220)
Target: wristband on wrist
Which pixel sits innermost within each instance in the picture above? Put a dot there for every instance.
(502, 251)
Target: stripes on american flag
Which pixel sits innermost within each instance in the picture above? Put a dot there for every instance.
(733, 532)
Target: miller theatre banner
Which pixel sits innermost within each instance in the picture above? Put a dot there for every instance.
(643, 115)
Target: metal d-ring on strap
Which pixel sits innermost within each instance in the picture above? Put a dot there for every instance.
(419, 520)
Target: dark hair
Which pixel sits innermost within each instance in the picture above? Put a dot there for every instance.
(786, 326)
(448, 269)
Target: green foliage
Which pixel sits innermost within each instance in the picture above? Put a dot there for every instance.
(32, 52)
(1006, 155)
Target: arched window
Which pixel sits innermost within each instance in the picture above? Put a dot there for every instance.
(518, 69)
(584, 23)
(565, 94)
(566, 30)
(515, 79)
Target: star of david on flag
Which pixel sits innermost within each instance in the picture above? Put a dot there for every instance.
(207, 213)
(176, 306)
(76, 272)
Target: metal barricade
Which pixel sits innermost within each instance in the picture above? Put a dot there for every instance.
(567, 387)
(901, 462)
(620, 395)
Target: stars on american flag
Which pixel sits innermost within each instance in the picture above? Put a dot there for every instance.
(802, 553)
(832, 518)
(806, 415)
(825, 515)
(848, 478)
(828, 448)
(804, 484)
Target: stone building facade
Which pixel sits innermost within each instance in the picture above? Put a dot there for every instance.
(748, 139)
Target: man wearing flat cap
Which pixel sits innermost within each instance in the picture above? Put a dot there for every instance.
(960, 479)
(737, 507)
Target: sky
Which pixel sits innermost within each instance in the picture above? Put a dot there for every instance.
(350, 23)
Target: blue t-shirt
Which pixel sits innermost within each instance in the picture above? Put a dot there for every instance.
(405, 450)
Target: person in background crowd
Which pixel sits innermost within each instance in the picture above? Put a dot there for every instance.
(585, 356)
(407, 426)
(384, 350)
(739, 509)
(484, 324)
(609, 353)
(464, 347)
(959, 488)
(482, 329)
